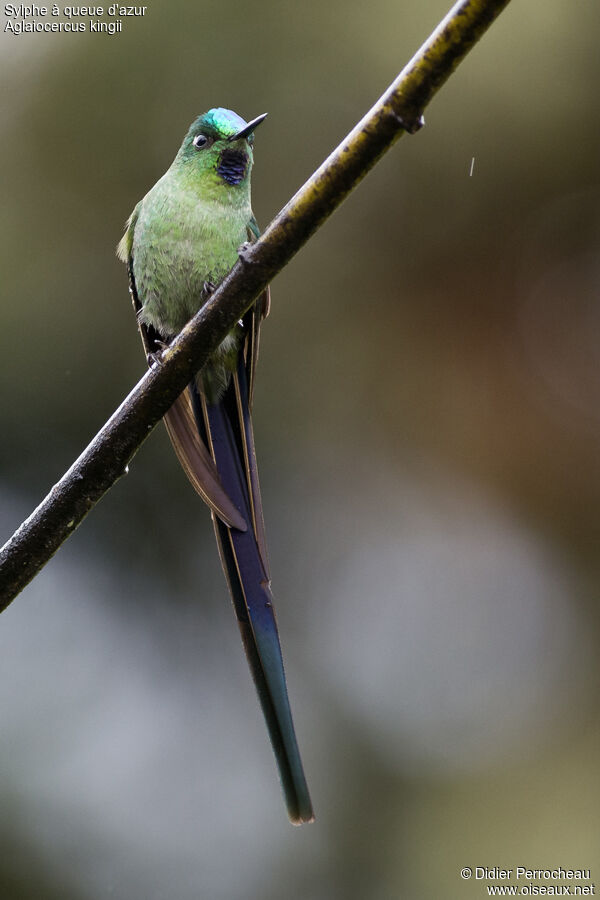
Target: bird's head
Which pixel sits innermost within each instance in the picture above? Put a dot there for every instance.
(219, 144)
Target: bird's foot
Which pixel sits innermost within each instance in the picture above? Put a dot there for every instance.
(244, 250)
(207, 289)
(154, 358)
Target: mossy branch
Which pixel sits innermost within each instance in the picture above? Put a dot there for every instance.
(399, 110)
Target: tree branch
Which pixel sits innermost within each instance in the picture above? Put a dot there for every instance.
(106, 458)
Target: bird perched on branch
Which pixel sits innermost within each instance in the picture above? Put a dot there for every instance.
(180, 241)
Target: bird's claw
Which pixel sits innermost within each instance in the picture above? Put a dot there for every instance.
(207, 289)
(154, 357)
(243, 251)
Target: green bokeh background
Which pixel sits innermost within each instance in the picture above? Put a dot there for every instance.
(427, 422)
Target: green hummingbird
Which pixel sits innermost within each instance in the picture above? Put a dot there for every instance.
(179, 243)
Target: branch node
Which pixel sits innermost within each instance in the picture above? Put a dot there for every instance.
(411, 126)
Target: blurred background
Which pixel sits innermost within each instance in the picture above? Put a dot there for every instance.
(427, 422)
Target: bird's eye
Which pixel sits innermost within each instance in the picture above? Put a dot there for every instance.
(200, 141)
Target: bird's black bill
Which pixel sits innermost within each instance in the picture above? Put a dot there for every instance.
(249, 128)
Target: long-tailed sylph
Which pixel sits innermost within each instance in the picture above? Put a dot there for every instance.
(180, 241)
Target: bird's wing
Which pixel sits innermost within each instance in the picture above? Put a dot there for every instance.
(243, 405)
(180, 421)
(197, 462)
(253, 320)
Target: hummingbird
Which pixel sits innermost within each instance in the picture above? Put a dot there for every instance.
(180, 241)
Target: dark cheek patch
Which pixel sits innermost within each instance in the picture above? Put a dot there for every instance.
(232, 166)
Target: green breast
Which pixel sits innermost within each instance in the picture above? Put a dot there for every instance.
(180, 242)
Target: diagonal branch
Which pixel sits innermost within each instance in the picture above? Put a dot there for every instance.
(106, 458)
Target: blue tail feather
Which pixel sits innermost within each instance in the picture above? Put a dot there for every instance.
(227, 428)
